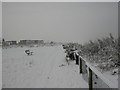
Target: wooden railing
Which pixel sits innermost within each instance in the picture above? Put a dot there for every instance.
(95, 78)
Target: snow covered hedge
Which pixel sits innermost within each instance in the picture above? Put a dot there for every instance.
(105, 52)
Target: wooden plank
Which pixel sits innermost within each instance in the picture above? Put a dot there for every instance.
(80, 65)
(90, 80)
(100, 75)
(77, 59)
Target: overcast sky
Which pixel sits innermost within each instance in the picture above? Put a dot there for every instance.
(78, 22)
(0, 20)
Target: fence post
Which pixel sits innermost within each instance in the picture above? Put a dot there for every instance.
(90, 80)
(80, 65)
(77, 59)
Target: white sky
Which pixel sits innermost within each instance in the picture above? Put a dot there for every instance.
(59, 0)
(0, 19)
(77, 22)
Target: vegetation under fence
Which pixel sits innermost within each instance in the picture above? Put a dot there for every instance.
(102, 52)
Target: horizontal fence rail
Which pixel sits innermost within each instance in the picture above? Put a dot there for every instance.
(91, 75)
(94, 77)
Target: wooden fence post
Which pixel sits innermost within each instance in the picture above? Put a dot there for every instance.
(77, 59)
(90, 80)
(80, 65)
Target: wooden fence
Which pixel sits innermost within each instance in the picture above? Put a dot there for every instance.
(94, 77)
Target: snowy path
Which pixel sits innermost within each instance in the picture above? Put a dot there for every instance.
(41, 70)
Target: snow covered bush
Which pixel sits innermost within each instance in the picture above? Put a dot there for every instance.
(105, 52)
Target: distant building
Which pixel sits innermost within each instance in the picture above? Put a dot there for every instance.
(30, 42)
(40, 41)
(7, 43)
(11, 42)
(22, 42)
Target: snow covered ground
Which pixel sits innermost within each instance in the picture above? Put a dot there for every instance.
(46, 68)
